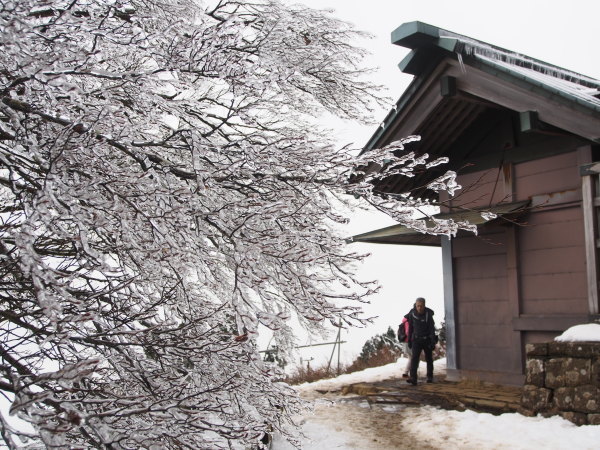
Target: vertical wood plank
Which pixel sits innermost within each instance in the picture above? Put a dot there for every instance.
(513, 287)
(449, 304)
(514, 296)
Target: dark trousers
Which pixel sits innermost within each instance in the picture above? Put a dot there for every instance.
(417, 346)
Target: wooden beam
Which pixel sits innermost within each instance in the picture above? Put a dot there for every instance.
(539, 322)
(448, 86)
(481, 81)
(556, 199)
(589, 169)
(529, 121)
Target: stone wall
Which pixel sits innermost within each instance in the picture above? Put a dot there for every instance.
(563, 378)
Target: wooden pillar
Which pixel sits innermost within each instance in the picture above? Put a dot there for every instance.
(589, 226)
(514, 296)
(589, 204)
(512, 273)
(449, 307)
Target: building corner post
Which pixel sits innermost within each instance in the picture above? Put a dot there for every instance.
(449, 306)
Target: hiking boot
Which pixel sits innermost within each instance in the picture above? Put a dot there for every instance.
(411, 381)
(430, 379)
(405, 375)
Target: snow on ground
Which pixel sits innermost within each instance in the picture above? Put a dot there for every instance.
(472, 430)
(371, 375)
(346, 422)
(346, 426)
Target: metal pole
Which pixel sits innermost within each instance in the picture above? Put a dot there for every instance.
(331, 357)
(306, 346)
(338, 343)
(339, 337)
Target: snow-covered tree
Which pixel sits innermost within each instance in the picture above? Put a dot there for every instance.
(164, 190)
(374, 345)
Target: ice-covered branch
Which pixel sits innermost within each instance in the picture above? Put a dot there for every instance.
(165, 191)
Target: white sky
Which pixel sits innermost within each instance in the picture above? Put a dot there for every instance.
(554, 31)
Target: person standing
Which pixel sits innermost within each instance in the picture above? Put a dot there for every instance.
(403, 338)
(421, 338)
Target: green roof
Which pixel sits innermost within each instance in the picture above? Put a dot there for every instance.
(430, 44)
(400, 234)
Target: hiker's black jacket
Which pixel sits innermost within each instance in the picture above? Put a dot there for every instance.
(421, 326)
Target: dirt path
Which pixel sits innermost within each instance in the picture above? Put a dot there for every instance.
(360, 425)
(351, 422)
(376, 426)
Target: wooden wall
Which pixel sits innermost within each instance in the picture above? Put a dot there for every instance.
(552, 274)
(551, 243)
(549, 272)
(482, 304)
(480, 189)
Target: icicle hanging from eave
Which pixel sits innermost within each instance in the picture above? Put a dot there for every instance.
(568, 87)
(470, 46)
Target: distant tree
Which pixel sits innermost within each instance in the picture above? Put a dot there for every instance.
(441, 331)
(164, 190)
(273, 355)
(374, 345)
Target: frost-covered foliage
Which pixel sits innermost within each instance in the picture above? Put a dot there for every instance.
(163, 191)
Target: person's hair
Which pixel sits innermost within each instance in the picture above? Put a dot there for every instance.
(420, 299)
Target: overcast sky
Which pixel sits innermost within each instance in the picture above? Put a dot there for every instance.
(563, 33)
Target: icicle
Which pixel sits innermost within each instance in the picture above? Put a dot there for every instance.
(478, 48)
(460, 61)
(488, 215)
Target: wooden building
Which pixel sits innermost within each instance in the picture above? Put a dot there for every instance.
(523, 136)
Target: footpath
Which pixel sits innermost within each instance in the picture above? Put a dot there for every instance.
(477, 396)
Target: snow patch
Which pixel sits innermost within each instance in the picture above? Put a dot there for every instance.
(589, 332)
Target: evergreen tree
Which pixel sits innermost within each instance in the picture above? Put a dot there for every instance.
(375, 344)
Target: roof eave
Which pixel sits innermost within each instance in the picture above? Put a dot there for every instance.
(546, 90)
(403, 235)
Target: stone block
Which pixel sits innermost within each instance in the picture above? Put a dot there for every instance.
(564, 397)
(593, 419)
(586, 399)
(538, 349)
(573, 349)
(536, 398)
(567, 372)
(526, 412)
(596, 372)
(554, 411)
(535, 373)
(554, 374)
(557, 348)
(576, 417)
